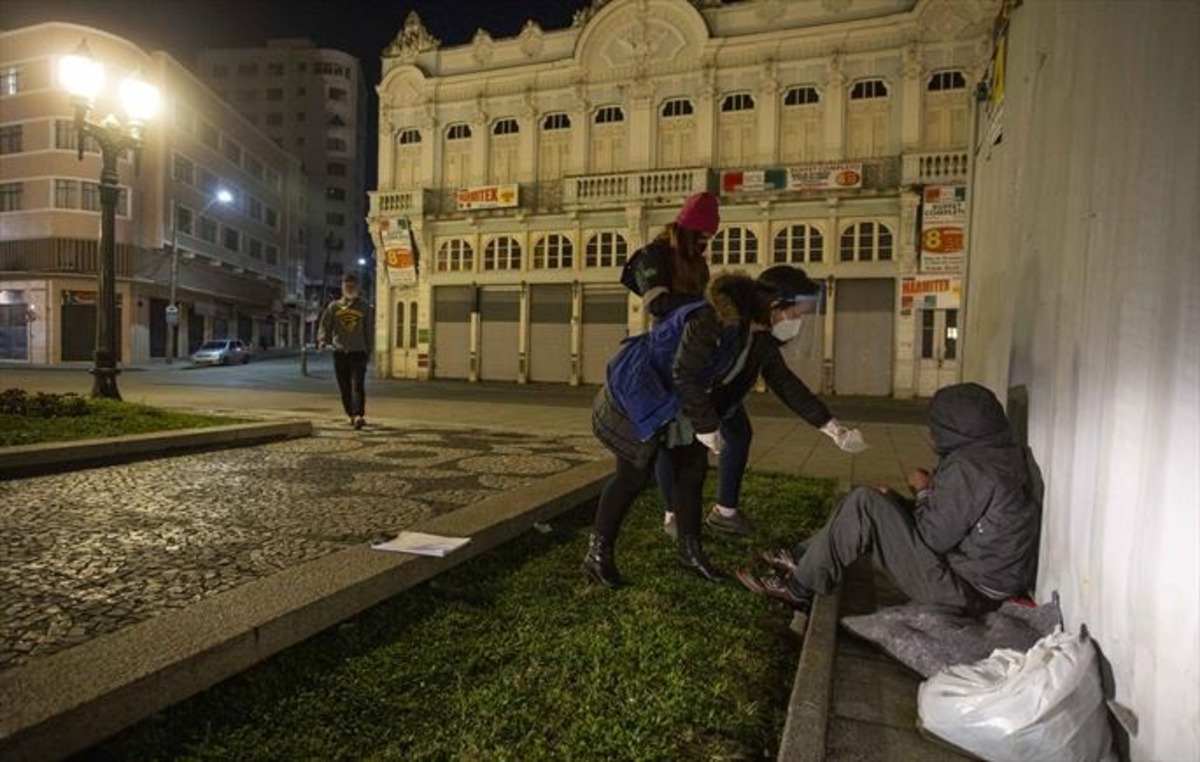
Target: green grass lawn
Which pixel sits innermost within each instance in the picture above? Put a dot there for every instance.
(104, 418)
(515, 656)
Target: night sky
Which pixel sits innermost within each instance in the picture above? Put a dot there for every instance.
(359, 27)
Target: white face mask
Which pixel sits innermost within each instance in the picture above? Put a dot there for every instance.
(787, 329)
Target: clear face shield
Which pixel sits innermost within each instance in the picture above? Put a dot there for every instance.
(788, 316)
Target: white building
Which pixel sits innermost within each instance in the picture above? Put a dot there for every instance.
(236, 268)
(819, 123)
(312, 102)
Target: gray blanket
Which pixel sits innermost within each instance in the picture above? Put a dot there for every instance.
(926, 638)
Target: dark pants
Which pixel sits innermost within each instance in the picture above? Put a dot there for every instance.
(868, 522)
(351, 371)
(687, 466)
(731, 463)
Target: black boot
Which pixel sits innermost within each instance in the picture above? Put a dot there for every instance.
(691, 556)
(599, 562)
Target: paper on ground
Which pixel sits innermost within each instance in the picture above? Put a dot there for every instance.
(422, 544)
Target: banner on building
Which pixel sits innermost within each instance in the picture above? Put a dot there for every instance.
(825, 176)
(489, 197)
(943, 224)
(755, 181)
(926, 292)
(399, 251)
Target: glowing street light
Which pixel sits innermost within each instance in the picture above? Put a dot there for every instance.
(83, 77)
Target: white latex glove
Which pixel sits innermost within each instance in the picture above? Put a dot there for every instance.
(848, 440)
(712, 441)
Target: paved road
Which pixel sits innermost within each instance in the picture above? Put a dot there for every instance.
(278, 385)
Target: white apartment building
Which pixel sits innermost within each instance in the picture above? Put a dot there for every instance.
(530, 168)
(312, 102)
(235, 272)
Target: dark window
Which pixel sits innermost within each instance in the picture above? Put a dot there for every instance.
(609, 115)
(868, 88)
(947, 80)
(506, 127)
(12, 197)
(801, 96)
(677, 107)
(556, 122)
(458, 132)
(738, 102)
(231, 239)
(408, 137)
(10, 138)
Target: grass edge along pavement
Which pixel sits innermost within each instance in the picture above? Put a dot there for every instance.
(49, 418)
(515, 655)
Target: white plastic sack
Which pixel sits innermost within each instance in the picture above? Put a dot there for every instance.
(1045, 704)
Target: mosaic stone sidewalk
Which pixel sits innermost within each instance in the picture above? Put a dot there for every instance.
(87, 553)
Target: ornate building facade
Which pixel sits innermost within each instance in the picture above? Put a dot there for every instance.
(528, 169)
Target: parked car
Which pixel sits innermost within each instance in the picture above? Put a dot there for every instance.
(221, 352)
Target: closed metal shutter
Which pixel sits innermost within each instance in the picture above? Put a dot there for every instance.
(452, 331)
(605, 325)
(550, 333)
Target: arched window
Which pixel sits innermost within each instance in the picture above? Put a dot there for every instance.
(455, 255)
(556, 122)
(606, 249)
(409, 137)
(798, 244)
(734, 246)
(801, 96)
(609, 114)
(458, 132)
(738, 102)
(502, 253)
(553, 252)
(946, 80)
(866, 242)
(867, 89)
(506, 127)
(945, 111)
(677, 107)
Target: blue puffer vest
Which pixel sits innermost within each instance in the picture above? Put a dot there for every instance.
(640, 374)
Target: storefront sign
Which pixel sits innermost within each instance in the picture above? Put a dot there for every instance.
(489, 197)
(399, 251)
(943, 221)
(929, 293)
(825, 176)
(81, 298)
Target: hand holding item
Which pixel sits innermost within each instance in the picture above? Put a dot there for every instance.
(919, 479)
(848, 440)
(711, 440)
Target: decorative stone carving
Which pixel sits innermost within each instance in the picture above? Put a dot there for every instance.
(835, 77)
(412, 40)
(946, 19)
(531, 39)
(914, 66)
(770, 77)
(482, 47)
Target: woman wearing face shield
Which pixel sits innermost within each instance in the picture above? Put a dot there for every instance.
(671, 389)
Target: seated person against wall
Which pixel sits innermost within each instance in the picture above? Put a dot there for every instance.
(968, 542)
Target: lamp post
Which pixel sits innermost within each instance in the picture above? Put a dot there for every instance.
(222, 197)
(83, 77)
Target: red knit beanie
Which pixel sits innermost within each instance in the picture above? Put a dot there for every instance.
(700, 213)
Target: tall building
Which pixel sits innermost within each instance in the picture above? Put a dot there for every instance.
(529, 168)
(236, 265)
(312, 102)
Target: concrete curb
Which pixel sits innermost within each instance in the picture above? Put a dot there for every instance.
(38, 459)
(56, 706)
(812, 691)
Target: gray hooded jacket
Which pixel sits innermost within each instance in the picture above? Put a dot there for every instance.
(982, 511)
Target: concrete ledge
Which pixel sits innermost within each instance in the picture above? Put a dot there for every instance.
(808, 709)
(56, 706)
(50, 457)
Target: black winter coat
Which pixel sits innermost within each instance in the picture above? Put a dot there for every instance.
(983, 510)
(733, 299)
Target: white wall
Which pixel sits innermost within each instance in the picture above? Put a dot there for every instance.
(1083, 288)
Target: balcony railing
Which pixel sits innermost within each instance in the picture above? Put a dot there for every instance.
(397, 203)
(657, 185)
(934, 168)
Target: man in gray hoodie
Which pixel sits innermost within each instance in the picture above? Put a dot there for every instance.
(970, 539)
(348, 325)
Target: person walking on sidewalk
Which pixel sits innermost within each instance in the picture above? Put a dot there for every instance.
(668, 389)
(969, 541)
(348, 325)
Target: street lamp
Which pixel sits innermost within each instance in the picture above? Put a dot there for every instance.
(83, 77)
(222, 197)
